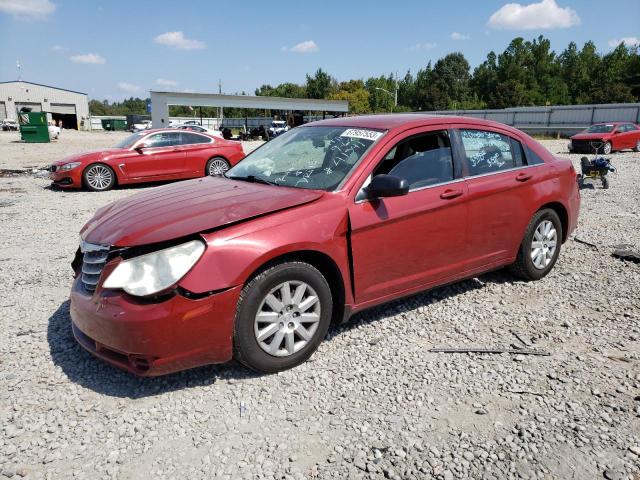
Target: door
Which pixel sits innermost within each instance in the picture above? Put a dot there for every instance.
(499, 183)
(197, 149)
(402, 243)
(626, 136)
(162, 157)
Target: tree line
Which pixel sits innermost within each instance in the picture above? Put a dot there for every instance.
(526, 73)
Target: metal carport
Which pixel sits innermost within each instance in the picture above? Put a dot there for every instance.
(160, 102)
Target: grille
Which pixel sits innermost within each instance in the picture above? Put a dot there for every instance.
(93, 261)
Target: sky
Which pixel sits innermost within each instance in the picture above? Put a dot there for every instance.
(118, 49)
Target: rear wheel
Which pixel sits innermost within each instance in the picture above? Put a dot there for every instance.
(605, 182)
(216, 166)
(540, 247)
(283, 314)
(637, 149)
(99, 177)
(607, 148)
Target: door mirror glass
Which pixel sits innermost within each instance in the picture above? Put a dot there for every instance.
(141, 146)
(387, 186)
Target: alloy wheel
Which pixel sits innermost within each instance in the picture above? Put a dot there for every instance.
(218, 166)
(287, 319)
(99, 177)
(544, 244)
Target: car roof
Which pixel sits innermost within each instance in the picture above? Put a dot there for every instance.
(392, 121)
(173, 130)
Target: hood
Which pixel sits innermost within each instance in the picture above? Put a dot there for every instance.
(88, 156)
(590, 136)
(184, 208)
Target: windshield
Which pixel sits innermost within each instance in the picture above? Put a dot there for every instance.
(600, 129)
(307, 157)
(130, 140)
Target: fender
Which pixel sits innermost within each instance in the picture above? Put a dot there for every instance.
(235, 253)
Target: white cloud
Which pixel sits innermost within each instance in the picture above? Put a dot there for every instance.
(303, 47)
(127, 87)
(628, 41)
(166, 83)
(57, 48)
(536, 16)
(27, 9)
(92, 58)
(178, 41)
(424, 46)
(460, 36)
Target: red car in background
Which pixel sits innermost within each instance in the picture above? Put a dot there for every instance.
(148, 156)
(606, 138)
(325, 220)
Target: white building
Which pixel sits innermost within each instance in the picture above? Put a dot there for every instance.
(66, 106)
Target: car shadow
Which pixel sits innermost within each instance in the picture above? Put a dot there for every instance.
(85, 370)
(133, 186)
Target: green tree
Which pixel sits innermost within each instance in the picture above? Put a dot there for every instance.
(355, 93)
(320, 85)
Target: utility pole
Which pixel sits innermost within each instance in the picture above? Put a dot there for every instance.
(221, 114)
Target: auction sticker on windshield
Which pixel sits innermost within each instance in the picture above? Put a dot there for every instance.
(361, 133)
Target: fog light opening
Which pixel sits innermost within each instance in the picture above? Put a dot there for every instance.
(140, 362)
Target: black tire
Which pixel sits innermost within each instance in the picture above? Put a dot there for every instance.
(580, 181)
(246, 347)
(90, 182)
(605, 182)
(523, 267)
(637, 148)
(216, 161)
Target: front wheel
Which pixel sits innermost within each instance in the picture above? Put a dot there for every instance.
(283, 314)
(99, 177)
(637, 149)
(540, 247)
(216, 166)
(605, 182)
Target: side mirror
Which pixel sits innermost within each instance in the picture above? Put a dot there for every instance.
(387, 186)
(140, 147)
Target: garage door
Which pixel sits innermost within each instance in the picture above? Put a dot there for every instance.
(67, 108)
(3, 111)
(35, 107)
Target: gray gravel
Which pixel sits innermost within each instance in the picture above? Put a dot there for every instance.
(372, 403)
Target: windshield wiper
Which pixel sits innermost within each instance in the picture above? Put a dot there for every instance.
(253, 179)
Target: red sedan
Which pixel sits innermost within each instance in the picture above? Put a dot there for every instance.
(148, 156)
(325, 220)
(606, 138)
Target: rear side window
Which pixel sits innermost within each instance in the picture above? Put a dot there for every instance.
(422, 160)
(487, 152)
(192, 138)
(533, 158)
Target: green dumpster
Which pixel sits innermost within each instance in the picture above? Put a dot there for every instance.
(34, 127)
(113, 124)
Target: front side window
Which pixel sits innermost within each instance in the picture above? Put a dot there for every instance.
(486, 152)
(308, 157)
(163, 139)
(422, 160)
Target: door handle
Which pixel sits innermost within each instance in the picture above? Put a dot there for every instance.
(449, 194)
(523, 177)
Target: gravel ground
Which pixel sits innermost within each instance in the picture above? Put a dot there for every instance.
(371, 403)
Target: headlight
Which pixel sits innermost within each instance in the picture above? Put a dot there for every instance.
(157, 271)
(69, 166)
